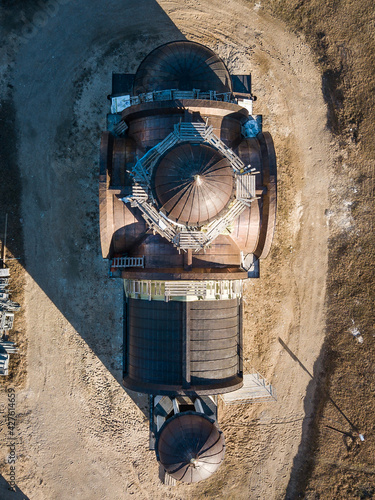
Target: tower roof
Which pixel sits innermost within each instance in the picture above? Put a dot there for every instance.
(182, 65)
(193, 183)
(190, 447)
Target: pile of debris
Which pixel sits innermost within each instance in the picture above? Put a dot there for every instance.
(7, 310)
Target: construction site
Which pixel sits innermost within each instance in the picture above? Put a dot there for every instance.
(182, 335)
(184, 221)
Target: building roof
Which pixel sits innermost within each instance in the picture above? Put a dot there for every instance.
(193, 183)
(183, 347)
(190, 447)
(182, 65)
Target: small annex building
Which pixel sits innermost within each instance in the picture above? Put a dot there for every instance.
(187, 193)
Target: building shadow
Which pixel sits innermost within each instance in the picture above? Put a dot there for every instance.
(315, 399)
(7, 493)
(34, 130)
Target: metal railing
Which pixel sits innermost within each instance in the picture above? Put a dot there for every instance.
(194, 240)
(142, 198)
(236, 163)
(245, 186)
(123, 262)
(218, 226)
(172, 94)
(183, 290)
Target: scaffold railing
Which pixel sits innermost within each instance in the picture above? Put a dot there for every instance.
(172, 94)
(194, 240)
(183, 290)
(124, 262)
(141, 197)
(152, 217)
(219, 226)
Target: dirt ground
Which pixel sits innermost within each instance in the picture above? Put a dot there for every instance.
(79, 434)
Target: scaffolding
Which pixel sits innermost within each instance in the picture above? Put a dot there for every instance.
(185, 238)
(183, 290)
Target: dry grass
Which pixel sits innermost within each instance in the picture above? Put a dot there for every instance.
(342, 35)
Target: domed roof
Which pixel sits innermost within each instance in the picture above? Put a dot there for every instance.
(193, 183)
(190, 447)
(182, 65)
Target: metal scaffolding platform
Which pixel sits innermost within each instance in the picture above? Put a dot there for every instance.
(183, 290)
(142, 198)
(119, 103)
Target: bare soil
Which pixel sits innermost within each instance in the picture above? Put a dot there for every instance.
(79, 434)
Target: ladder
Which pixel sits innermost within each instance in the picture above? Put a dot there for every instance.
(121, 128)
(194, 240)
(245, 186)
(139, 192)
(167, 143)
(218, 226)
(122, 262)
(191, 131)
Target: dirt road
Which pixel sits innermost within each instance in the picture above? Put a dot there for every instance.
(81, 436)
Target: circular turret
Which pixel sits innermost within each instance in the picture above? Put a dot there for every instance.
(190, 447)
(193, 184)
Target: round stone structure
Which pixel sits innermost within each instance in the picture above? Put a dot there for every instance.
(193, 184)
(190, 447)
(182, 65)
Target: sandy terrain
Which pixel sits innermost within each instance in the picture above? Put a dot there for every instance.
(80, 435)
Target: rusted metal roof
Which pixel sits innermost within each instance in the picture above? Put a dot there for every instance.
(193, 183)
(190, 447)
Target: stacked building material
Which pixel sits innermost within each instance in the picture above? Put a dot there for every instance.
(7, 310)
